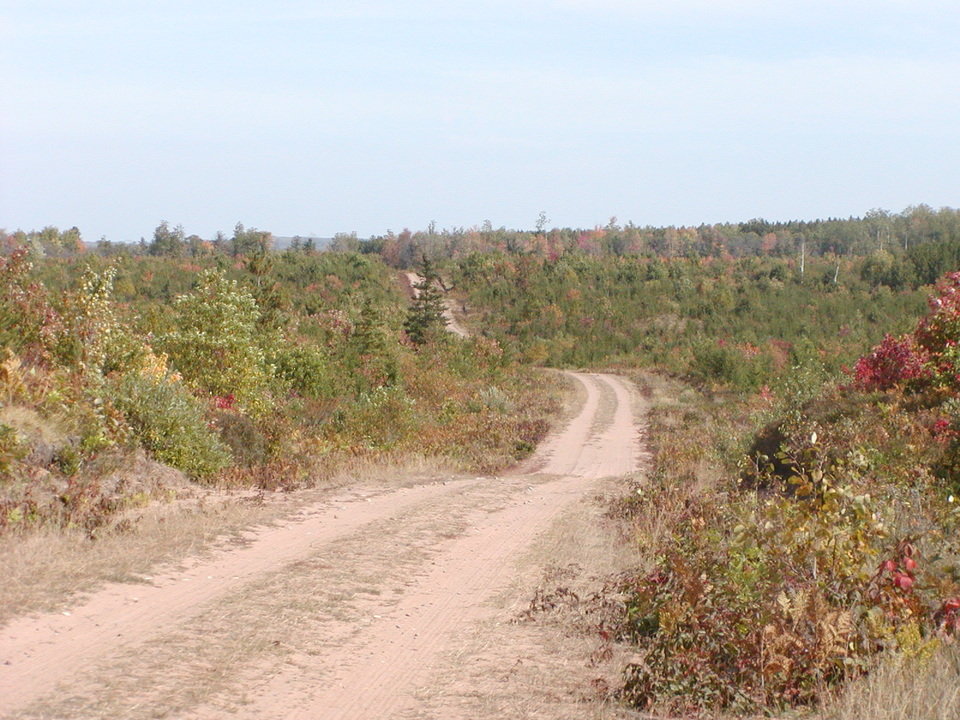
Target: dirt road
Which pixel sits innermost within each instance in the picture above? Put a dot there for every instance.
(370, 605)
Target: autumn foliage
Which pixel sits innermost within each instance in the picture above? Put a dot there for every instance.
(894, 362)
(793, 569)
(928, 356)
(274, 370)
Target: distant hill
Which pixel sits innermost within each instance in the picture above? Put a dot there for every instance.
(281, 242)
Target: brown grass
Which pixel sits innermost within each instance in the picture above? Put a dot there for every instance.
(915, 689)
(584, 536)
(29, 424)
(48, 568)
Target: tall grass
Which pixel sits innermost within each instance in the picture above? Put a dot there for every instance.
(898, 689)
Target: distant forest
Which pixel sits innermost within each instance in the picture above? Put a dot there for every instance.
(905, 249)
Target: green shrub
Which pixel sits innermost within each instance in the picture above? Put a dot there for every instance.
(169, 423)
(215, 344)
(379, 419)
(715, 363)
(305, 370)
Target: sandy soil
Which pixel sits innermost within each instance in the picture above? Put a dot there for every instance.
(389, 605)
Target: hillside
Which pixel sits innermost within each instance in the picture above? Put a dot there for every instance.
(271, 372)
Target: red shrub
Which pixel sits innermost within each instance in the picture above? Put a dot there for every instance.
(941, 328)
(895, 361)
(928, 355)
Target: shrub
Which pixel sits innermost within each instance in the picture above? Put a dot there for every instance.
(378, 420)
(304, 370)
(719, 363)
(895, 361)
(766, 601)
(90, 325)
(28, 322)
(215, 343)
(240, 434)
(760, 600)
(928, 355)
(169, 423)
(941, 328)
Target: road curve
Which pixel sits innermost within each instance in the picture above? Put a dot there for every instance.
(347, 613)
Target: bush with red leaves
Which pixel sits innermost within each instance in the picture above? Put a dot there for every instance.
(928, 355)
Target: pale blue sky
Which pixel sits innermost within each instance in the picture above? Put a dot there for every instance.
(322, 117)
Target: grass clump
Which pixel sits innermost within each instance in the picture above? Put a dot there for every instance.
(913, 689)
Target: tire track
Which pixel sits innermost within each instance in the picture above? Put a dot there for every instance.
(378, 673)
(453, 546)
(38, 651)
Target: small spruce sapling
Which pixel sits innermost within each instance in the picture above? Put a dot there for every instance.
(425, 317)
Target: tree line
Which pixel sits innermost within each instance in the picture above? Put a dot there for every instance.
(878, 231)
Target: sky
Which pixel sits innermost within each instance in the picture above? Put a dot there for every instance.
(313, 118)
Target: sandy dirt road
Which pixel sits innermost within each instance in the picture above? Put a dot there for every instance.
(364, 607)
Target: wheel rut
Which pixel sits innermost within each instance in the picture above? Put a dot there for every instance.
(349, 612)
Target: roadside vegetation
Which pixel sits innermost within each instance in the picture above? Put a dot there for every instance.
(800, 524)
(237, 369)
(802, 541)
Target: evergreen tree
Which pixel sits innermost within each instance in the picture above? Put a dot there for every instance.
(259, 263)
(425, 317)
(375, 349)
(370, 336)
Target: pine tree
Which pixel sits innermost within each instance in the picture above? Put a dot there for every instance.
(425, 317)
(368, 337)
(375, 349)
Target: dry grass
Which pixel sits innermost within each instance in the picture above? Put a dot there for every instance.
(47, 569)
(571, 394)
(384, 470)
(903, 690)
(659, 390)
(584, 536)
(31, 426)
(686, 470)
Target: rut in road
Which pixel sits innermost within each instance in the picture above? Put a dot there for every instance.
(349, 613)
